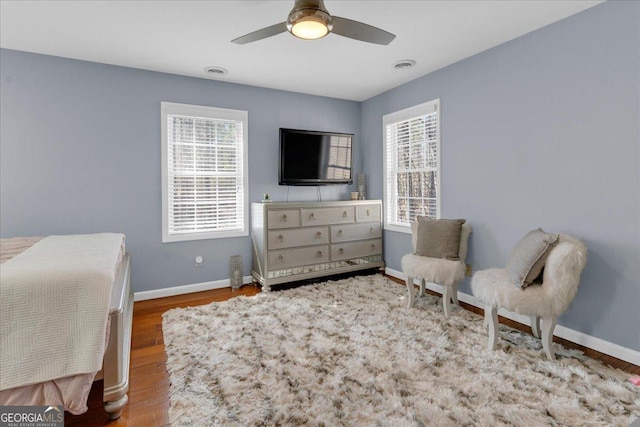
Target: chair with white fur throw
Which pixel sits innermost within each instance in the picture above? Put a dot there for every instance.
(540, 281)
(439, 252)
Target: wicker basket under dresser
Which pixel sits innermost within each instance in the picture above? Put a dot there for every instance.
(302, 240)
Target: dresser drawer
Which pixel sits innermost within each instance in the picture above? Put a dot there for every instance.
(287, 258)
(347, 250)
(341, 233)
(325, 216)
(280, 239)
(368, 213)
(283, 218)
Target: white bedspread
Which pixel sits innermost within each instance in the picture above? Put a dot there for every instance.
(54, 307)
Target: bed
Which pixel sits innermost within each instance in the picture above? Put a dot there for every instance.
(66, 310)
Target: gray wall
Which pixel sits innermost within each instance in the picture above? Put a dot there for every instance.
(542, 131)
(80, 153)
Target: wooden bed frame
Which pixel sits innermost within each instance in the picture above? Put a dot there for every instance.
(115, 366)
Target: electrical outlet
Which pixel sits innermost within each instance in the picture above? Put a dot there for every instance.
(199, 261)
(468, 271)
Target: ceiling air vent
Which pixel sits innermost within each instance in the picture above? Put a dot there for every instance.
(215, 71)
(403, 64)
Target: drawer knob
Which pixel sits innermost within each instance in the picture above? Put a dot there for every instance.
(318, 234)
(373, 246)
(344, 214)
(319, 254)
(368, 212)
(284, 218)
(280, 258)
(341, 251)
(280, 238)
(312, 215)
(340, 232)
(371, 230)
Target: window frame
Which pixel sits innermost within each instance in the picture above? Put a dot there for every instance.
(214, 113)
(400, 116)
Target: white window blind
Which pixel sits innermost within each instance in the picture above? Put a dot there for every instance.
(412, 165)
(204, 172)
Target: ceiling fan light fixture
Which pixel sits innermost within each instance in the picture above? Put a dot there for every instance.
(309, 29)
(309, 24)
(310, 20)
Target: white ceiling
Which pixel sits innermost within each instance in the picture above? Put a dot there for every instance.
(184, 37)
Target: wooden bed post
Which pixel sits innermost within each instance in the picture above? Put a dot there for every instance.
(116, 358)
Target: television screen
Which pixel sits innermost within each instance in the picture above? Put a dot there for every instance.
(314, 158)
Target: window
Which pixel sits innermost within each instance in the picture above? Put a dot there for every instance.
(412, 165)
(204, 172)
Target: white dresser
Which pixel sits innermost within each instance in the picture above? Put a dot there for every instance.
(302, 240)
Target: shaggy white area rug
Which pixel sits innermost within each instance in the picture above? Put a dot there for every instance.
(348, 353)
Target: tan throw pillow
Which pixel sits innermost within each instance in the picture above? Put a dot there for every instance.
(528, 257)
(439, 238)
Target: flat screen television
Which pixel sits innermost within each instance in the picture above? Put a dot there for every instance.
(315, 158)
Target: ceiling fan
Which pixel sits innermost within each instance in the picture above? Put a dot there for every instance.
(310, 20)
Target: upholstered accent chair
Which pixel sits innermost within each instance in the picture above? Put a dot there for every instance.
(545, 299)
(445, 272)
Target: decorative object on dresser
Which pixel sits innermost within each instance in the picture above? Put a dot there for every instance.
(303, 240)
(361, 185)
(439, 252)
(547, 297)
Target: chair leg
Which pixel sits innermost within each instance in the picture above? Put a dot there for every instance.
(411, 292)
(491, 318)
(535, 326)
(454, 294)
(548, 325)
(423, 286)
(446, 299)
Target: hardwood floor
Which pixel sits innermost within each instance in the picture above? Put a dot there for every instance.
(149, 382)
(148, 378)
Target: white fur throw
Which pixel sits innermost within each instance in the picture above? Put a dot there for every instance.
(441, 271)
(560, 282)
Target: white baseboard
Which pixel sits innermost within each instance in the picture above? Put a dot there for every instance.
(186, 289)
(606, 347)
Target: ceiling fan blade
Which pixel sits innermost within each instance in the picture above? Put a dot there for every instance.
(360, 31)
(261, 34)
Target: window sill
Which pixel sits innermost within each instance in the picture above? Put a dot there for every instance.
(398, 228)
(203, 236)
